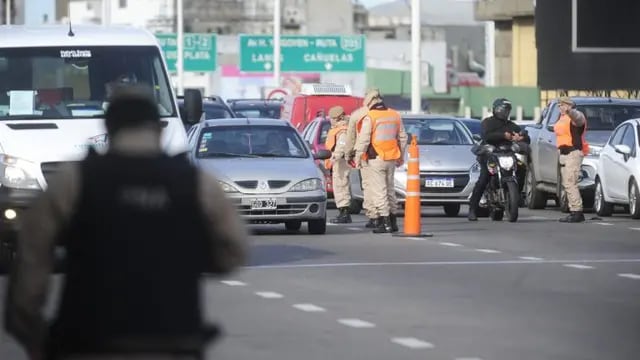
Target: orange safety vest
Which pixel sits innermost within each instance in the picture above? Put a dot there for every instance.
(330, 142)
(562, 128)
(385, 126)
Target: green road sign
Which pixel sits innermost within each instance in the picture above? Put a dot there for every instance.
(199, 52)
(303, 53)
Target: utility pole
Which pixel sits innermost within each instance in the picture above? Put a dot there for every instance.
(416, 77)
(7, 12)
(106, 12)
(276, 42)
(180, 38)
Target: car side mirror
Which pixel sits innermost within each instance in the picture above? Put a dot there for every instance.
(550, 128)
(192, 106)
(322, 155)
(624, 150)
(476, 137)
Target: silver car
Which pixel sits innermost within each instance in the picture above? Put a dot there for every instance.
(448, 169)
(265, 168)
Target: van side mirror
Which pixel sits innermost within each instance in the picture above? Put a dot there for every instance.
(192, 106)
(550, 128)
(476, 137)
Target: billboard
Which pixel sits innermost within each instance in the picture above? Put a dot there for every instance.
(587, 44)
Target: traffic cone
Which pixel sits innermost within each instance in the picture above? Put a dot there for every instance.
(412, 213)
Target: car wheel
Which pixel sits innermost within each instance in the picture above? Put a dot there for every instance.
(452, 210)
(634, 196)
(317, 227)
(293, 225)
(355, 207)
(600, 206)
(588, 198)
(535, 199)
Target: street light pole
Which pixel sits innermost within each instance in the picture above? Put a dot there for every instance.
(7, 12)
(276, 42)
(416, 78)
(106, 12)
(180, 47)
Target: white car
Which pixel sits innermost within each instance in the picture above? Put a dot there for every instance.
(618, 178)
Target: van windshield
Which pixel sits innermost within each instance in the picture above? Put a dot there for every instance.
(68, 83)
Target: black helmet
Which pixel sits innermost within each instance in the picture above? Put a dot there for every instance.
(501, 109)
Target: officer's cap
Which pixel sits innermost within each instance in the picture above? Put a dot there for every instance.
(336, 111)
(566, 100)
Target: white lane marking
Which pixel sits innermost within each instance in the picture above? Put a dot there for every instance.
(356, 323)
(630, 276)
(636, 229)
(450, 244)
(331, 224)
(578, 266)
(233, 283)
(531, 258)
(412, 343)
(418, 239)
(269, 295)
(441, 263)
(309, 308)
(488, 251)
(604, 223)
(354, 228)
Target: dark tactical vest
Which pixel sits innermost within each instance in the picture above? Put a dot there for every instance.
(136, 248)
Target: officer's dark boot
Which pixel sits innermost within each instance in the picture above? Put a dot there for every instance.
(573, 217)
(383, 225)
(343, 217)
(472, 212)
(371, 224)
(394, 222)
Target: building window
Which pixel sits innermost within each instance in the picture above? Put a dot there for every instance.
(123, 4)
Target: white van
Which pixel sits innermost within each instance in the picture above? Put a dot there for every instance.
(54, 81)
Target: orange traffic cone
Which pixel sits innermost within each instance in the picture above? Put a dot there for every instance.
(412, 213)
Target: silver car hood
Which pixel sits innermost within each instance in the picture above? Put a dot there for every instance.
(231, 170)
(446, 157)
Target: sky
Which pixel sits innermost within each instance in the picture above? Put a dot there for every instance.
(34, 9)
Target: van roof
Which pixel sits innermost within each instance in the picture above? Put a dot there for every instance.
(14, 36)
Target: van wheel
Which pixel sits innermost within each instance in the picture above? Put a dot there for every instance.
(317, 227)
(535, 199)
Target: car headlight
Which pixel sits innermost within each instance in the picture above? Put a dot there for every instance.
(227, 188)
(506, 162)
(18, 173)
(475, 167)
(308, 185)
(595, 150)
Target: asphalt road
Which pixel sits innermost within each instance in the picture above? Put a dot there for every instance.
(536, 289)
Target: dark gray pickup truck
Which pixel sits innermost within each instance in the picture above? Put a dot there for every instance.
(543, 178)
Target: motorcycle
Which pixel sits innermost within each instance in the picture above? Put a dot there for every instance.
(502, 194)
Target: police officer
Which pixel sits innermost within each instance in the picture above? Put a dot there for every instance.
(381, 144)
(496, 130)
(336, 143)
(355, 124)
(572, 146)
(138, 227)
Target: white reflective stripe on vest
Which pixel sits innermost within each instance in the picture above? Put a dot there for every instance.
(386, 129)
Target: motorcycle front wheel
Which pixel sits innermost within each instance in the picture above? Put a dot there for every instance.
(512, 199)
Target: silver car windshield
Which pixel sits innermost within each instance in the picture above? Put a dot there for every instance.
(70, 83)
(438, 131)
(250, 141)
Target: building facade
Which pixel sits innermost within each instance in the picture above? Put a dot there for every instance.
(515, 39)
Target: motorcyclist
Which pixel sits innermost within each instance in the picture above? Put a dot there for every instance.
(497, 130)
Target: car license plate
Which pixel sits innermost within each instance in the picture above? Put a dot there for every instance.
(439, 183)
(264, 204)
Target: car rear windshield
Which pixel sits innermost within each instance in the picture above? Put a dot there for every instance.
(608, 117)
(257, 111)
(438, 131)
(250, 141)
(216, 112)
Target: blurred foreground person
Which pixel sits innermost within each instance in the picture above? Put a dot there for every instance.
(139, 228)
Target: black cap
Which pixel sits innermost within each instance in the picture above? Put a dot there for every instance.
(130, 107)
